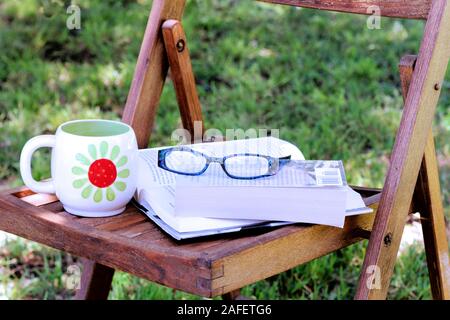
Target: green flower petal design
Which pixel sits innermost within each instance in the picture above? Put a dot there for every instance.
(86, 192)
(78, 171)
(82, 159)
(98, 195)
(114, 153)
(92, 151)
(89, 179)
(122, 161)
(124, 173)
(121, 186)
(79, 183)
(103, 149)
(110, 195)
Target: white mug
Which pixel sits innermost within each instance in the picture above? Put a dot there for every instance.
(93, 166)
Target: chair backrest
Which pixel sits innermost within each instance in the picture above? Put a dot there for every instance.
(410, 9)
(151, 68)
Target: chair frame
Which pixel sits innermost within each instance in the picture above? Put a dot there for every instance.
(413, 151)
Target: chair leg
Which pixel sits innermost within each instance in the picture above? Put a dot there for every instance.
(234, 295)
(95, 281)
(407, 155)
(427, 200)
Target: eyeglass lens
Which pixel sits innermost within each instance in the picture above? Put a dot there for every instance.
(246, 166)
(185, 161)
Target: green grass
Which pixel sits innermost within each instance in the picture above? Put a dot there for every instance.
(326, 81)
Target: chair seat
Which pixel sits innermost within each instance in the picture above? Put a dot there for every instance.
(208, 267)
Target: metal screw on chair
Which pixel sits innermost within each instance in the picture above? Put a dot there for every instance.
(180, 45)
(437, 86)
(388, 239)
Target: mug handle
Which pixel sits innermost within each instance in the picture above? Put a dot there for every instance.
(25, 163)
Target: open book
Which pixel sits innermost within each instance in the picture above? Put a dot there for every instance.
(166, 197)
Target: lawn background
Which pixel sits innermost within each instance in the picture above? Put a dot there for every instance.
(329, 84)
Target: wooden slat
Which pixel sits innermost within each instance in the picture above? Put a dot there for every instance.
(19, 192)
(205, 244)
(93, 222)
(122, 222)
(241, 263)
(408, 151)
(427, 200)
(160, 264)
(182, 76)
(151, 236)
(412, 9)
(57, 208)
(150, 72)
(137, 230)
(243, 243)
(39, 199)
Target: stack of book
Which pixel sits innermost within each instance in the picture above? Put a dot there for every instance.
(211, 203)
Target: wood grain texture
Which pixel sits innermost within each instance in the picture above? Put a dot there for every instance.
(427, 200)
(406, 69)
(408, 150)
(95, 281)
(136, 230)
(241, 264)
(182, 76)
(132, 243)
(413, 9)
(38, 199)
(150, 72)
(163, 264)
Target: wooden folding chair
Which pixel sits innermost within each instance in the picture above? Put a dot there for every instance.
(222, 265)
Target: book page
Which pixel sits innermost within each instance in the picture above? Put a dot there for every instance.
(161, 200)
(155, 187)
(155, 175)
(267, 146)
(292, 174)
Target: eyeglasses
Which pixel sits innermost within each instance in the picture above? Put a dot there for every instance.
(184, 160)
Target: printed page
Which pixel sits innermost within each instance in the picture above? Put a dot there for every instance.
(155, 176)
(268, 146)
(155, 186)
(292, 174)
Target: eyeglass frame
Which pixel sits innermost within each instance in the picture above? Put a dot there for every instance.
(271, 160)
